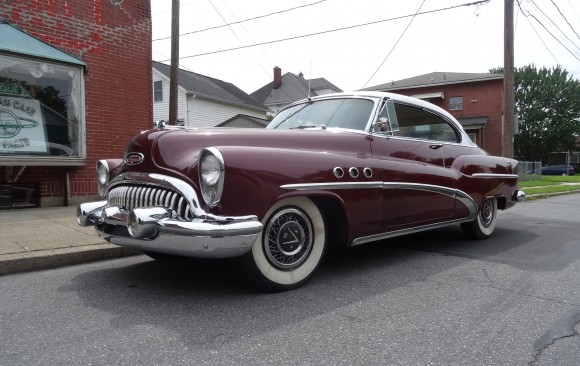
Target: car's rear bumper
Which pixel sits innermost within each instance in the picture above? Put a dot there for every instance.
(156, 229)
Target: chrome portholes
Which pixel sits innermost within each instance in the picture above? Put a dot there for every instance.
(368, 172)
(353, 172)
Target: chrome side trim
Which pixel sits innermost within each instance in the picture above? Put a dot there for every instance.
(337, 185)
(392, 234)
(493, 175)
(453, 193)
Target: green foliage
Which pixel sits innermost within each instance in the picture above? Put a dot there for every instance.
(548, 106)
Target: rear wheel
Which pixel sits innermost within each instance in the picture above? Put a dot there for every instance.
(290, 247)
(484, 224)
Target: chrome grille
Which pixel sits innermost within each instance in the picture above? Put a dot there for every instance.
(133, 196)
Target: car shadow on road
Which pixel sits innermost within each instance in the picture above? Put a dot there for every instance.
(209, 303)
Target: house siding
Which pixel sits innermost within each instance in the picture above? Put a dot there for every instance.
(206, 113)
(161, 109)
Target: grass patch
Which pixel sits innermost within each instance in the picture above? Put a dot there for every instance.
(551, 184)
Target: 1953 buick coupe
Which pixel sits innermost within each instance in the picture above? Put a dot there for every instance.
(340, 169)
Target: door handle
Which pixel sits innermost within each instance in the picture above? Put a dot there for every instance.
(435, 146)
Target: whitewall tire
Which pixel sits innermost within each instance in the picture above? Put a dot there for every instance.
(290, 248)
(484, 224)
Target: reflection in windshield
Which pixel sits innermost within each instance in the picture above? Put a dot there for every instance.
(342, 113)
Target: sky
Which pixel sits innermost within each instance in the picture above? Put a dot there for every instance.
(443, 36)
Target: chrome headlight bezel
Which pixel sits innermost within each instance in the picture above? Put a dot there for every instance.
(211, 175)
(103, 177)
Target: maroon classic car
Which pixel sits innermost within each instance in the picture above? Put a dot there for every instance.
(341, 169)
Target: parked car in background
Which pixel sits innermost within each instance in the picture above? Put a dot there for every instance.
(559, 169)
(340, 169)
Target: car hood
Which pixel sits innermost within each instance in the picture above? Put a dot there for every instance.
(178, 148)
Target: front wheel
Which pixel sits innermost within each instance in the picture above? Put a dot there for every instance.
(290, 247)
(484, 224)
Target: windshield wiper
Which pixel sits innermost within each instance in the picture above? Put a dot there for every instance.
(301, 127)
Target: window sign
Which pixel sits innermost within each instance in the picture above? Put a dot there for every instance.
(21, 124)
(41, 108)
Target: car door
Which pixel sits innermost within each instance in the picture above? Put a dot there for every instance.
(417, 188)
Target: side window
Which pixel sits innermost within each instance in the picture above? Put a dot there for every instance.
(456, 103)
(158, 91)
(418, 123)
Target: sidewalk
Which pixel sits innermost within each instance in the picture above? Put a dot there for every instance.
(41, 238)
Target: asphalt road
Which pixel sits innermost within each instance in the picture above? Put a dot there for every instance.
(428, 299)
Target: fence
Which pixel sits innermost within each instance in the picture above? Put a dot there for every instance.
(530, 170)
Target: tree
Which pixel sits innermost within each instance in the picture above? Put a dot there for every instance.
(548, 108)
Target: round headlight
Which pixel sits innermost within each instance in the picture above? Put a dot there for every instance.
(211, 175)
(102, 174)
(210, 169)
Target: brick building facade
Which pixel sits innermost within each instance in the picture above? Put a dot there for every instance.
(112, 101)
(475, 100)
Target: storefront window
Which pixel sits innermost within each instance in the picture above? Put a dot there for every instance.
(41, 109)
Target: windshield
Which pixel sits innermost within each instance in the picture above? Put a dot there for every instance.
(343, 113)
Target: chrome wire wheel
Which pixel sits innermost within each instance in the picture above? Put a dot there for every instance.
(288, 239)
(484, 224)
(486, 214)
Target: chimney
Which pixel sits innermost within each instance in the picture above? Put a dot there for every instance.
(277, 77)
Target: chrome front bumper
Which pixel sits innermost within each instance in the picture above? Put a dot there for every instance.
(159, 229)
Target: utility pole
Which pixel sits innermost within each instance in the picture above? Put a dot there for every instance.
(508, 81)
(173, 74)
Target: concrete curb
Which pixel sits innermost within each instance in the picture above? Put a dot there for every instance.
(53, 258)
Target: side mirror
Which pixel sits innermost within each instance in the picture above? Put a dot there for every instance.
(382, 125)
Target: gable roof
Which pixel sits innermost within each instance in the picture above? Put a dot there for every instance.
(210, 88)
(435, 79)
(258, 121)
(14, 40)
(292, 88)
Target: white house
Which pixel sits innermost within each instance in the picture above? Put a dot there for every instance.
(202, 101)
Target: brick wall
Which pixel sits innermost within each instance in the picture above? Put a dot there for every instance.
(480, 99)
(113, 38)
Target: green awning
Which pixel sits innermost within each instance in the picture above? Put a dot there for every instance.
(15, 41)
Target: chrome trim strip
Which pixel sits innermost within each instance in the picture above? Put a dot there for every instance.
(392, 234)
(336, 185)
(456, 194)
(493, 175)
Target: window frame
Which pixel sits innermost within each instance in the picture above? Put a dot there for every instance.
(457, 106)
(155, 91)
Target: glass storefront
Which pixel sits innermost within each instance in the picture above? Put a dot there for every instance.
(41, 111)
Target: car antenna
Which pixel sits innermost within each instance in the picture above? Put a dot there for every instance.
(309, 81)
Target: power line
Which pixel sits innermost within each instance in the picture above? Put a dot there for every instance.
(335, 30)
(531, 25)
(243, 21)
(555, 24)
(570, 25)
(550, 33)
(395, 45)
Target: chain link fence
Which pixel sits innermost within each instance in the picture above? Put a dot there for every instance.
(530, 170)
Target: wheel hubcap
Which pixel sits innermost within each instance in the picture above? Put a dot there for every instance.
(486, 213)
(289, 239)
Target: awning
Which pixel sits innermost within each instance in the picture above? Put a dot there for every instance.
(473, 123)
(15, 41)
(430, 95)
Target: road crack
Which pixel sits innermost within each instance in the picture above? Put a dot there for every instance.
(564, 328)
